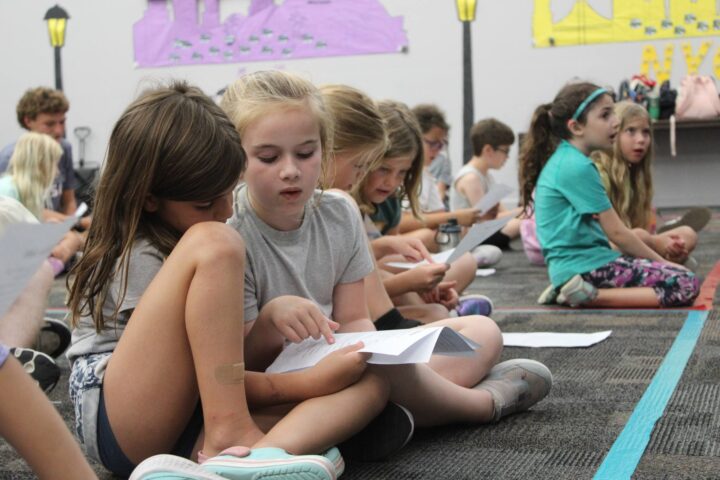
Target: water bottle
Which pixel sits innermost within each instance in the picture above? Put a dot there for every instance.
(448, 235)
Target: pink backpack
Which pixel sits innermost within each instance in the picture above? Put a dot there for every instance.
(698, 98)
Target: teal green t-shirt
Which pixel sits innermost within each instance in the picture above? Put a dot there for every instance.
(568, 193)
(387, 214)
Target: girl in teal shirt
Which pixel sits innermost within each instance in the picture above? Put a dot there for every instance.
(575, 219)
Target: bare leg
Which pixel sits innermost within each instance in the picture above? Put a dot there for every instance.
(688, 235)
(427, 313)
(512, 229)
(633, 297)
(343, 414)
(462, 271)
(468, 371)
(437, 393)
(30, 423)
(20, 326)
(194, 305)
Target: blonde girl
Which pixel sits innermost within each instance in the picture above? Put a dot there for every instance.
(157, 355)
(307, 259)
(626, 173)
(576, 221)
(32, 169)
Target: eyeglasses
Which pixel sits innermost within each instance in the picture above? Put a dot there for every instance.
(435, 144)
(505, 150)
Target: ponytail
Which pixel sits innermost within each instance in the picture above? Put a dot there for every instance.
(548, 127)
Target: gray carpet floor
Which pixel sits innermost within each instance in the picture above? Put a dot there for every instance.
(596, 389)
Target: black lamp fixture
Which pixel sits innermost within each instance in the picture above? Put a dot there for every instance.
(57, 18)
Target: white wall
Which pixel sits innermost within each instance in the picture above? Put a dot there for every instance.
(511, 77)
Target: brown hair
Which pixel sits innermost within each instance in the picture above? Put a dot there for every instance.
(490, 132)
(359, 126)
(629, 187)
(405, 139)
(40, 100)
(173, 143)
(429, 116)
(549, 125)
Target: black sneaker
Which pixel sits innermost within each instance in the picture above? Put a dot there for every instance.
(39, 366)
(386, 434)
(54, 338)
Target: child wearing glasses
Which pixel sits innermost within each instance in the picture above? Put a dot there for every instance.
(491, 141)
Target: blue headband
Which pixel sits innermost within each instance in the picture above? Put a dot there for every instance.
(587, 102)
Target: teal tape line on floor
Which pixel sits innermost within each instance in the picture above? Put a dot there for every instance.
(622, 459)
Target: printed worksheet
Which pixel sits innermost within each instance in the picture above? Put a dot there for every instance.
(492, 197)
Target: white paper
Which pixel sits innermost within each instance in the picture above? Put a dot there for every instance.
(476, 235)
(437, 258)
(551, 339)
(484, 272)
(23, 248)
(492, 197)
(390, 347)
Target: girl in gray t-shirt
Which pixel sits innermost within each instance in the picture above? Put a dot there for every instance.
(157, 354)
(307, 256)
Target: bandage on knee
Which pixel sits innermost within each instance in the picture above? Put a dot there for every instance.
(230, 374)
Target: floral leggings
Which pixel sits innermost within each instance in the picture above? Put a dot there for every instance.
(674, 287)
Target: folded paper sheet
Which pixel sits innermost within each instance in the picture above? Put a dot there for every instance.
(551, 339)
(475, 236)
(23, 247)
(495, 193)
(390, 347)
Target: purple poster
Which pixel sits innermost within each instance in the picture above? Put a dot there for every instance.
(173, 32)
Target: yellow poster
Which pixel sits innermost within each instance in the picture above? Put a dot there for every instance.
(631, 21)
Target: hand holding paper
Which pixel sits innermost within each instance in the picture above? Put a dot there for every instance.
(492, 197)
(391, 347)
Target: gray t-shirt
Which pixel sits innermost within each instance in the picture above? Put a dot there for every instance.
(441, 169)
(145, 262)
(65, 179)
(459, 201)
(327, 249)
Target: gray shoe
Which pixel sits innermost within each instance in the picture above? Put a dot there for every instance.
(516, 385)
(695, 218)
(548, 296)
(576, 292)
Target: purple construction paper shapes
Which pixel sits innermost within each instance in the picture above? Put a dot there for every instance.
(270, 31)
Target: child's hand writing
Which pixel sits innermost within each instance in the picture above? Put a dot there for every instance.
(297, 318)
(338, 370)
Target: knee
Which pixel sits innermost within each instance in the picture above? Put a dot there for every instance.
(485, 332)
(435, 311)
(210, 241)
(377, 388)
(685, 291)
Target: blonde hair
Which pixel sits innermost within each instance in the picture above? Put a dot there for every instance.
(629, 187)
(33, 167)
(404, 139)
(257, 94)
(359, 126)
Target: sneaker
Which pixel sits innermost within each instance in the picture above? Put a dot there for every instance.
(54, 338)
(474, 304)
(577, 292)
(695, 218)
(486, 255)
(171, 467)
(548, 296)
(41, 367)
(386, 434)
(516, 385)
(270, 464)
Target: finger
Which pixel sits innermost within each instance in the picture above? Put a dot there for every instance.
(300, 330)
(290, 334)
(326, 331)
(311, 324)
(447, 285)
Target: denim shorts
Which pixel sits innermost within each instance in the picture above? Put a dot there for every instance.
(92, 425)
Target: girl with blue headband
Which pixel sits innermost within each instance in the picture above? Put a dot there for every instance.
(576, 222)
